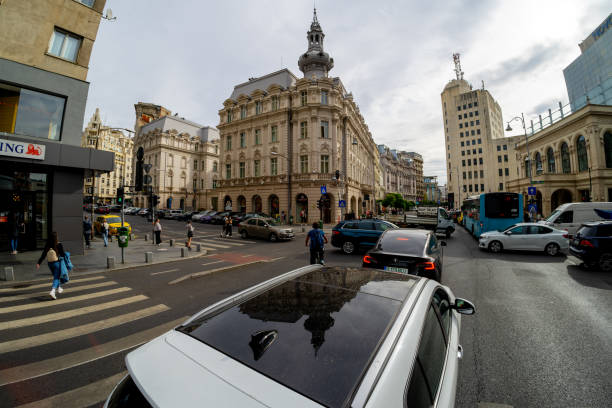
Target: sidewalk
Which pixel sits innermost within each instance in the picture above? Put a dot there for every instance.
(94, 259)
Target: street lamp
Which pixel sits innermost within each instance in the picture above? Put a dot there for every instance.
(509, 129)
(289, 199)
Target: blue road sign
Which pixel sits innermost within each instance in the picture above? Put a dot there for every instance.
(438, 202)
(323, 189)
(532, 208)
(531, 190)
(342, 204)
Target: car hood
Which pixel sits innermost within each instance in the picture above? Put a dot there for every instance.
(490, 234)
(178, 370)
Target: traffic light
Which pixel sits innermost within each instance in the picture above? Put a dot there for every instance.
(139, 169)
(120, 195)
(155, 200)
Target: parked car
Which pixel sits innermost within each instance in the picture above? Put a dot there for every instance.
(197, 217)
(114, 222)
(266, 228)
(174, 214)
(115, 208)
(593, 245)
(246, 216)
(134, 210)
(354, 235)
(412, 251)
(571, 216)
(291, 342)
(526, 236)
(208, 217)
(143, 212)
(103, 209)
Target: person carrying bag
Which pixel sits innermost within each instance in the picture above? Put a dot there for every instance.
(56, 257)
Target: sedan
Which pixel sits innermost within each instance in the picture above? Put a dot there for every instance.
(198, 217)
(290, 342)
(266, 228)
(409, 251)
(526, 236)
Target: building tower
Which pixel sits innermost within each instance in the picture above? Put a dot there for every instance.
(315, 63)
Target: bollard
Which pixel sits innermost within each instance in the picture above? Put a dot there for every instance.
(110, 262)
(132, 237)
(198, 248)
(303, 229)
(146, 237)
(148, 257)
(183, 252)
(9, 275)
(171, 242)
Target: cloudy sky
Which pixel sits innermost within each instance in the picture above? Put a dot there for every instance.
(394, 56)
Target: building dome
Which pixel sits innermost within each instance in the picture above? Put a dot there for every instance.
(315, 61)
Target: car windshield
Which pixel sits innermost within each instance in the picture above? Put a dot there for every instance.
(113, 220)
(403, 243)
(509, 228)
(272, 222)
(552, 216)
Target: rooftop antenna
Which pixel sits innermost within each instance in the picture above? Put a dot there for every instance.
(458, 70)
(483, 84)
(109, 15)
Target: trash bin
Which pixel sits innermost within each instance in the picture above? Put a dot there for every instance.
(123, 236)
(291, 220)
(320, 224)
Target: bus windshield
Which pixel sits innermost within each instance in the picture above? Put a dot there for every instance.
(501, 205)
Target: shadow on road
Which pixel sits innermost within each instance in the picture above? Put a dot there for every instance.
(590, 277)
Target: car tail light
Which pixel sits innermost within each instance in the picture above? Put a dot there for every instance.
(428, 266)
(586, 243)
(334, 232)
(565, 235)
(368, 259)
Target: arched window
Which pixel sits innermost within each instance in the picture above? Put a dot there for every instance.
(565, 158)
(608, 149)
(550, 158)
(538, 163)
(583, 161)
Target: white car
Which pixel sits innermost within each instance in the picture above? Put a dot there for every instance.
(198, 216)
(527, 236)
(316, 336)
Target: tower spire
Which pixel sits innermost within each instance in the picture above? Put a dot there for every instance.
(315, 62)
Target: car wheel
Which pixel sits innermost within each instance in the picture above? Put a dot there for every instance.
(244, 234)
(605, 262)
(495, 247)
(348, 247)
(273, 238)
(551, 249)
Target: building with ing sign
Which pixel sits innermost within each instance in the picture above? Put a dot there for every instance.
(45, 49)
(400, 172)
(571, 160)
(282, 138)
(183, 156)
(103, 188)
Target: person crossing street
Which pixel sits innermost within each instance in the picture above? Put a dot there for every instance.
(317, 240)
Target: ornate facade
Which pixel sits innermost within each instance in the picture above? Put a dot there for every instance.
(401, 173)
(283, 138)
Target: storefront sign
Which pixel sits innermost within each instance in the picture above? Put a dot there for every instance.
(21, 149)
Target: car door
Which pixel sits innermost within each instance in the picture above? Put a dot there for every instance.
(251, 226)
(368, 234)
(516, 238)
(435, 251)
(262, 228)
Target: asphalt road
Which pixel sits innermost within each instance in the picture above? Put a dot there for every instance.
(541, 336)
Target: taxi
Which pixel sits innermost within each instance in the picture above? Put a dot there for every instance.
(114, 222)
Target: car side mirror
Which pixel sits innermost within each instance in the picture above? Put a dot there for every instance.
(463, 306)
(508, 232)
(443, 243)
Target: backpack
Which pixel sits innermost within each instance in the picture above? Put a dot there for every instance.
(318, 239)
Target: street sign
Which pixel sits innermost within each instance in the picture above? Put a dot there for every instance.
(533, 210)
(148, 179)
(147, 167)
(323, 189)
(342, 204)
(531, 190)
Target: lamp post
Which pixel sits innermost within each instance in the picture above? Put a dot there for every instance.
(509, 129)
(289, 207)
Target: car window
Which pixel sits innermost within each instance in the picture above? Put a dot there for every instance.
(367, 225)
(565, 217)
(349, 225)
(261, 223)
(604, 231)
(382, 226)
(532, 229)
(403, 243)
(418, 394)
(442, 303)
(517, 230)
(544, 230)
(252, 221)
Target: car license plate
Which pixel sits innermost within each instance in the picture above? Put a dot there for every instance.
(396, 269)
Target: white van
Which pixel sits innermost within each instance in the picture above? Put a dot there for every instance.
(571, 216)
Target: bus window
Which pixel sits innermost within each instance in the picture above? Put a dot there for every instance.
(501, 205)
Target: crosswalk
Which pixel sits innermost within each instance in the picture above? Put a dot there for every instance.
(217, 244)
(94, 318)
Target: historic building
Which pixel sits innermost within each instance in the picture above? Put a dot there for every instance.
(417, 159)
(103, 188)
(479, 159)
(571, 160)
(432, 191)
(183, 156)
(282, 138)
(45, 49)
(400, 173)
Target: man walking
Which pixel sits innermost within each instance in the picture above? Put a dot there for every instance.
(87, 231)
(157, 228)
(317, 240)
(105, 228)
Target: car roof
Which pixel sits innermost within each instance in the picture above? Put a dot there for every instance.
(597, 223)
(318, 328)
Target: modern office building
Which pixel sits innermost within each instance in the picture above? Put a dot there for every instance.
(590, 75)
(282, 138)
(479, 159)
(45, 48)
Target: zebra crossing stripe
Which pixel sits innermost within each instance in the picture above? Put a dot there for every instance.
(80, 397)
(59, 335)
(72, 290)
(66, 361)
(46, 318)
(60, 301)
(227, 242)
(208, 243)
(48, 284)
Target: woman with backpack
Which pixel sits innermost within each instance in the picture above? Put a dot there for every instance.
(189, 234)
(53, 251)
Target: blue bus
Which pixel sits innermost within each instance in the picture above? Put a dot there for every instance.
(491, 212)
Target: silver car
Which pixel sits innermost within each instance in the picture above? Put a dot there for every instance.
(316, 336)
(527, 236)
(265, 228)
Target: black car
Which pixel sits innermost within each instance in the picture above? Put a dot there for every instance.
(593, 245)
(411, 251)
(353, 235)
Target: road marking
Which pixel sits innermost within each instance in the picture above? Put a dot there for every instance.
(30, 321)
(210, 263)
(69, 288)
(42, 339)
(241, 242)
(168, 271)
(214, 245)
(226, 242)
(85, 356)
(82, 396)
(223, 268)
(60, 301)
(43, 285)
(206, 248)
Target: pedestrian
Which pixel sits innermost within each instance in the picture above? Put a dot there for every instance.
(284, 217)
(105, 228)
(228, 226)
(87, 231)
(189, 234)
(14, 229)
(302, 216)
(157, 229)
(53, 251)
(317, 240)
